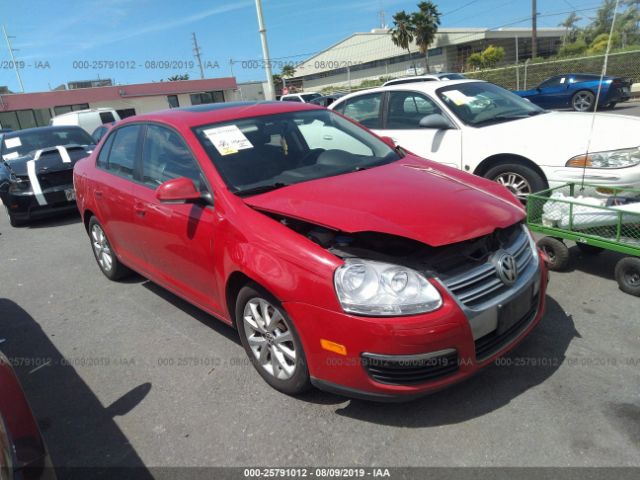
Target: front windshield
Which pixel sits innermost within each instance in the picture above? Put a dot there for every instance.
(307, 97)
(21, 143)
(479, 104)
(258, 154)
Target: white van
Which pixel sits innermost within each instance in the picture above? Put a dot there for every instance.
(87, 119)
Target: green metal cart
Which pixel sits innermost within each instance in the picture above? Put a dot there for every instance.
(596, 218)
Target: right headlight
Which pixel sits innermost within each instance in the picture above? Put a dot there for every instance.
(367, 287)
(626, 157)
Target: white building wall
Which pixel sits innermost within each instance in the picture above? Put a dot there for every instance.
(150, 103)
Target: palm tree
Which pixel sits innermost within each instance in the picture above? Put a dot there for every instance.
(426, 21)
(287, 72)
(402, 32)
(570, 26)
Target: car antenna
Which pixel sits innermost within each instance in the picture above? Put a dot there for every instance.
(595, 106)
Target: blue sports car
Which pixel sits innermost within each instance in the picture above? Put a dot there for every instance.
(578, 91)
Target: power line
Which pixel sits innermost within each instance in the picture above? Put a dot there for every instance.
(459, 8)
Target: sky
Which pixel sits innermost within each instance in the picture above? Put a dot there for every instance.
(135, 41)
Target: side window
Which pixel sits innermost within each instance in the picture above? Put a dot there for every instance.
(407, 108)
(365, 109)
(166, 156)
(123, 151)
(104, 152)
(340, 107)
(553, 82)
(107, 117)
(292, 99)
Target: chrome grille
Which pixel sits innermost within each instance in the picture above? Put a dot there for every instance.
(480, 284)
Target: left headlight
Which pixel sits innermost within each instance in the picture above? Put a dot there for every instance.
(367, 287)
(626, 157)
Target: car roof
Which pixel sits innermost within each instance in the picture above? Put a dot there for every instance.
(198, 115)
(425, 87)
(87, 110)
(51, 128)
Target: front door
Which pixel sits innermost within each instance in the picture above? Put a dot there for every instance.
(401, 122)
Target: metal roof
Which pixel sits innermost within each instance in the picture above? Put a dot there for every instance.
(368, 47)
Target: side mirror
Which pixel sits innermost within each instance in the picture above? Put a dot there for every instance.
(389, 141)
(435, 121)
(178, 190)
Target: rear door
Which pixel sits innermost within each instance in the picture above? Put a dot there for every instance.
(113, 187)
(176, 240)
(403, 112)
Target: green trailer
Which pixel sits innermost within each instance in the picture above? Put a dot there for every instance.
(596, 218)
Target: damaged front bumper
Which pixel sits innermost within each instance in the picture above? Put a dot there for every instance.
(401, 358)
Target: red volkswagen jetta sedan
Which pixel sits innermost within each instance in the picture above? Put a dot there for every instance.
(343, 262)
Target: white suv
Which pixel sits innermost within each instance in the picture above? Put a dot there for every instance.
(425, 78)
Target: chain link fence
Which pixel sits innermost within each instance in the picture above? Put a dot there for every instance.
(529, 74)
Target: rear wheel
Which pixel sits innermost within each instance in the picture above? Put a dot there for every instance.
(628, 275)
(106, 258)
(611, 106)
(519, 179)
(271, 341)
(556, 251)
(583, 101)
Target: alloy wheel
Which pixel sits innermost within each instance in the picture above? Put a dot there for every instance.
(101, 248)
(270, 338)
(582, 101)
(517, 184)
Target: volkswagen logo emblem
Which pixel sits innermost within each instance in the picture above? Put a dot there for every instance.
(506, 268)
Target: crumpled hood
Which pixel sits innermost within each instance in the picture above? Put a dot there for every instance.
(411, 198)
(49, 161)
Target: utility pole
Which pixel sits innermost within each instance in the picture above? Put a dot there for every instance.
(197, 52)
(534, 29)
(265, 51)
(13, 59)
(231, 66)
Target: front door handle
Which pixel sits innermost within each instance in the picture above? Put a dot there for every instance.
(139, 209)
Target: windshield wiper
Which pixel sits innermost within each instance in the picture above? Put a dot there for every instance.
(261, 189)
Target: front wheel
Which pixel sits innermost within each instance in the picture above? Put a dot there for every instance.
(583, 101)
(628, 275)
(519, 179)
(271, 341)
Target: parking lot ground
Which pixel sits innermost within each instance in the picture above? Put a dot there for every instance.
(127, 374)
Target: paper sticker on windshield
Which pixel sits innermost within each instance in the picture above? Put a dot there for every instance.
(227, 140)
(13, 142)
(11, 156)
(457, 97)
(562, 80)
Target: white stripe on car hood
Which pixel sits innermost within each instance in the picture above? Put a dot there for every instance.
(33, 177)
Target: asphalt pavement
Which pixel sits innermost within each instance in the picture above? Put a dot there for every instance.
(127, 374)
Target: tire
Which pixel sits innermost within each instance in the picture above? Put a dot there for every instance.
(556, 251)
(610, 106)
(583, 101)
(105, 256)
(628, 275)
(589, 249)
(270, 355)
(14, 222)
(519, 179)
